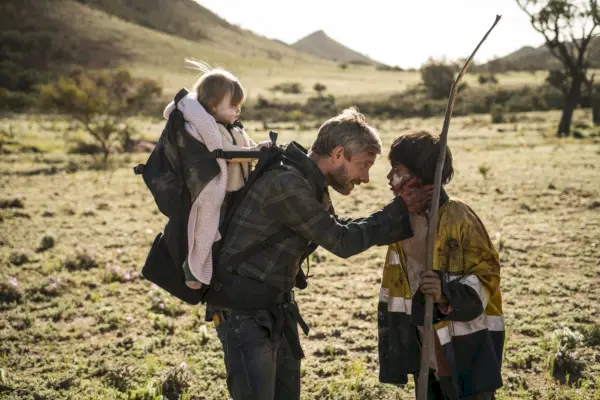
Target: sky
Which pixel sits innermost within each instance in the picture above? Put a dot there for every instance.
(395, 32)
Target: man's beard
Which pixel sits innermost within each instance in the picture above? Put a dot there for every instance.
(338, 180)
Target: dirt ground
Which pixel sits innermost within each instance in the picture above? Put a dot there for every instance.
(77, 320)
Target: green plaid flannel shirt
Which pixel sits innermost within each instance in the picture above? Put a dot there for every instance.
(288, 198)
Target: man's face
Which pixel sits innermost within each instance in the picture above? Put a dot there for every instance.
(347, 173)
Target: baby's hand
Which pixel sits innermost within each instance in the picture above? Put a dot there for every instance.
(264, 144)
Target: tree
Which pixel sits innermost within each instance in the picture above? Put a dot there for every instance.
(102, 103)
(561, 22)
(319, 88)
(593, 94)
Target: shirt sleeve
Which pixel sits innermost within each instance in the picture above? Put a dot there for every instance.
(292, 202)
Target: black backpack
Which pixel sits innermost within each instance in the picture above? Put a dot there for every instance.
(165, 176)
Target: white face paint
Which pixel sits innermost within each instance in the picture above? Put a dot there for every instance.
(397, 180)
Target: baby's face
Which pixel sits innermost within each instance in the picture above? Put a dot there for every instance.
(225, 112)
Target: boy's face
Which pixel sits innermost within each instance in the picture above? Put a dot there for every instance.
(225, 112)
(398, 177)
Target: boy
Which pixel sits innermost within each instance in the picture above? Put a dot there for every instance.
(469, 328)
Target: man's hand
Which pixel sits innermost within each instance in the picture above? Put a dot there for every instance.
(415, 195)
(432, 285)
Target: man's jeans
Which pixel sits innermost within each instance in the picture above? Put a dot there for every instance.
(259, 361)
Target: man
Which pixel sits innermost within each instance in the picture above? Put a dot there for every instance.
(286, 214)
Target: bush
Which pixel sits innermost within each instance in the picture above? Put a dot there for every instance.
(46, 242)
(437, 78)
(591, 335)
(114, 273)
(101, 103)
(120, 377)
(82, 147)
(19, 257)
(565, 362)
(165, 306)
(288, 88)
(52, 287)
(388, 68)
(15, 101)
(320, 106)
(497, 113)
(10, 291)
(80, 261)
(175, 382)
(319, 88)
(16, 202)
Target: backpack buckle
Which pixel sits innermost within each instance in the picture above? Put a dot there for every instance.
(219, 153)
(289, 297)
(139, 169)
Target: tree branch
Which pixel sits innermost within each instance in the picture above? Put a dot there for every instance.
(432, 222)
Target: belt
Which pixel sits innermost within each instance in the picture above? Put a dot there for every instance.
(286, 316)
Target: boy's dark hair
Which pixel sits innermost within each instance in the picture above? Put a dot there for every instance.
(418, 150)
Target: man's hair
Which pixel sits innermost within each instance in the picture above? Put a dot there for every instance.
(418, 150)
(350, 130)
(214, 84)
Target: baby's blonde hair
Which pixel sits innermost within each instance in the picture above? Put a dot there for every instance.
(214, 84)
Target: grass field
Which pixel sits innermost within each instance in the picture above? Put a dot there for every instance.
(78, 322)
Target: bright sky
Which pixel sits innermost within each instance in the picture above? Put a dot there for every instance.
(400, 32)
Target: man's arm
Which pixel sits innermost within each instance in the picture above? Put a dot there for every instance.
(292, 202)
(331, 210)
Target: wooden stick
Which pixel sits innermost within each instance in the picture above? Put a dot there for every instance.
(433, 218)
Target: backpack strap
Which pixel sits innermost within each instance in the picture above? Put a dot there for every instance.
(180, 95)
(269, 242)
(139, 169)
(230, 155)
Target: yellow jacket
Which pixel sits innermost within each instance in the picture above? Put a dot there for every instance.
(472, 334)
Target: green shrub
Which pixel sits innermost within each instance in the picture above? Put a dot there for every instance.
(497, 113)
(80, 260)
(564, 362)
(19, 257)
(15, 202)
(10, 290)
(53, 286)
(288, 88)
(82, 147)
(591, 336)
(15, 101)
(101, 103)
(175, 382)
(47, 241)
(437, 78)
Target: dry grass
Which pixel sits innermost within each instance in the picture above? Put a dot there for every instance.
(78, 327)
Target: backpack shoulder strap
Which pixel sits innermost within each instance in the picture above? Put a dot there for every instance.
(139, 169)
(180, 95)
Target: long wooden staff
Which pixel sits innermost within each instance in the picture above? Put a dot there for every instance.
(433, 218)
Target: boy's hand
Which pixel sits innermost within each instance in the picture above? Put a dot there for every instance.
(415, 195)
(432, 285)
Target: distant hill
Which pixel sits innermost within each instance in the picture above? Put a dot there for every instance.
(151, 33)
(530, 58)
(321, 45)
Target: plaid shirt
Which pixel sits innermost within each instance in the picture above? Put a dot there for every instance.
(290, 197)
